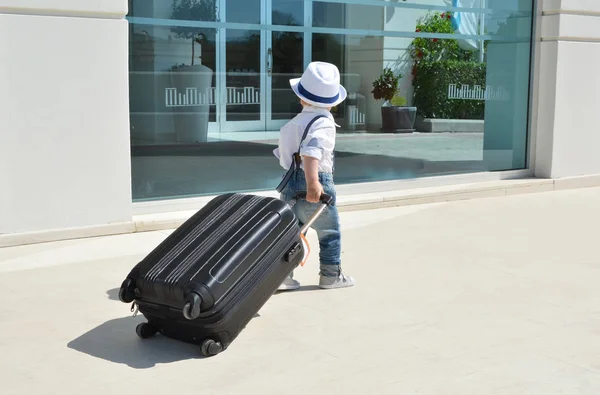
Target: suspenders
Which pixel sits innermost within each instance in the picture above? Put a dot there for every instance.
(297, 159)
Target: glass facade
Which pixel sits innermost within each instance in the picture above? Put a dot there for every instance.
(209, 88)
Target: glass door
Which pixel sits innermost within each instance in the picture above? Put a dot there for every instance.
(256, 63)
(242, 68)
(286, 59)
(243, 95)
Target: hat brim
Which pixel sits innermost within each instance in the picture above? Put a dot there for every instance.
(343, 94)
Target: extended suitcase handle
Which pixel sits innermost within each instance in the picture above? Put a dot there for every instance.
(326, 200)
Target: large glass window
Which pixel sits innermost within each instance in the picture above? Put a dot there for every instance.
(209, 88)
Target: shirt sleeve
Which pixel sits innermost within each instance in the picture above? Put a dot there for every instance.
(320, 139)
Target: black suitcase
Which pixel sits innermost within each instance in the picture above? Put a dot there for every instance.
(207, 280)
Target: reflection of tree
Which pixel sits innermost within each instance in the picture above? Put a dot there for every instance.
(196, 10)
(286, 19)
(244, 52)
(328, 48)
(287, 49)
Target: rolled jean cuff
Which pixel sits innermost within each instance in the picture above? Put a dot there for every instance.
(330, 269)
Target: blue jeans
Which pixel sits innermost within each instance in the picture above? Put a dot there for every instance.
(327, 225)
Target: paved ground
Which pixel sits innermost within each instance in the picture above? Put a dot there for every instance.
(493, 296)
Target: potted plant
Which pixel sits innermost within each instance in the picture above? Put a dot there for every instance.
(396, 117)
(194, 80)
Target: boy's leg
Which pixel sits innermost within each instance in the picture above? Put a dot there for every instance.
(328, 231)
(329, 234)
(289, 284)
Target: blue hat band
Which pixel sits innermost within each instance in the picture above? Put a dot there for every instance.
(315, 98)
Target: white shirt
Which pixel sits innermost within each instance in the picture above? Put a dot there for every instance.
(319, 142)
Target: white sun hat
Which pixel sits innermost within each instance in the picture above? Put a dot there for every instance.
(320, 85)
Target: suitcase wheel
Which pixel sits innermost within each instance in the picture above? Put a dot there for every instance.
(191, 309)
(145, 330)
(127, 291)
(211, 348)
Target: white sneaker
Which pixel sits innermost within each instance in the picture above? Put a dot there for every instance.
(341, 281)
(289, 284)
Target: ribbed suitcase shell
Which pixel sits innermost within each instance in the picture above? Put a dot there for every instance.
(234, 252)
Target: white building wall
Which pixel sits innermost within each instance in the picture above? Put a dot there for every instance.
(64, 130)
(567, 136)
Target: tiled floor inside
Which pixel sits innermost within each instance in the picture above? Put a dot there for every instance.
(210, 168)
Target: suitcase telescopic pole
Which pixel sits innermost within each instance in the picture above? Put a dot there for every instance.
(326, 200)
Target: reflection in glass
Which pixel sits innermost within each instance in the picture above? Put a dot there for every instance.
(243, 78)
(287, 64)
(243, 11)
(328, 15)
(196, 10)
(172, 84)
(472, 115)
(288, 12)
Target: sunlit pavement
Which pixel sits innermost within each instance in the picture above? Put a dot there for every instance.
(492, 296)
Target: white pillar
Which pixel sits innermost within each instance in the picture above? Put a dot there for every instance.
(567, 133)
(64, 114)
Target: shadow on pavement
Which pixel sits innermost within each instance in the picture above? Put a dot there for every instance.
(113, 294)
(116, 341)
(307, 288)
(303, 288)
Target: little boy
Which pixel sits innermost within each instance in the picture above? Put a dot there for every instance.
(319, 90)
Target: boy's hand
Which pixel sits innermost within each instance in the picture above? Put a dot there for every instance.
(315, 190)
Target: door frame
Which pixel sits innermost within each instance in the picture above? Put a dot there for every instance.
(222, 125)
(265, 123)
(272, 124)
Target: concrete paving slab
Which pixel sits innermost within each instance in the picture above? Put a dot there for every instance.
(491, 296)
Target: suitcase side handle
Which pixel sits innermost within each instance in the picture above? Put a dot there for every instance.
(325, 198)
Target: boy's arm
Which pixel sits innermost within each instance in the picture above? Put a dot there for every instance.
(320, 139)
(314, 187)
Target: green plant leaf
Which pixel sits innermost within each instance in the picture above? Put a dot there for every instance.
(431, 83)
(386, 85)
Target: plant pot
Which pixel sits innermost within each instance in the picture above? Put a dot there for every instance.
(398, 119)
(191, 117)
